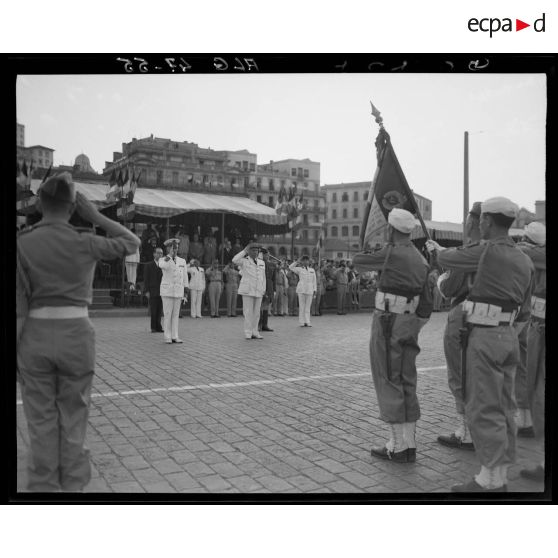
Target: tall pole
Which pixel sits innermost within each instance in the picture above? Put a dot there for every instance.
(465, 184)
(123, 289)
(292, 243)
(222, 238)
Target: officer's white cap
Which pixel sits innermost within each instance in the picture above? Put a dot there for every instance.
(504, 206)
(172, 241)
(60, 187)
(402, 220)
(536, 232)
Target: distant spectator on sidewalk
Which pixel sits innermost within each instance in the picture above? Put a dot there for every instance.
(226, 252)
(131, 264)
(184, 243)
(270, 273)
(341, 281)
(232, 280)
(281, 286)
(214, 277)
(196, 249)
(151, 285)
(197, 286)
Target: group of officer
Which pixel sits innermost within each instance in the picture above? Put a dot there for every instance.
(498, 290)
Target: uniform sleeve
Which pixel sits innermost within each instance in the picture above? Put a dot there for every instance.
(237, 259)
(293, 267)
(525, 308)
(425, 304)
(163, 264)
(370, 262)
(452, 283)
(537, 254)
(464, 259)
(109, 248)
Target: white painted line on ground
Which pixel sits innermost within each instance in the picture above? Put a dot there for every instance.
(240, 384)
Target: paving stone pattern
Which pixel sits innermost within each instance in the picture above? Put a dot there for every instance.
(293, 413)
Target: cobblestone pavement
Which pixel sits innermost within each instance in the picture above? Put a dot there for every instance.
(293, 413)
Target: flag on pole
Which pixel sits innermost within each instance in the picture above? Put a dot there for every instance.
(389, 189)
(319, 244)
(112, 194)
(133, 186)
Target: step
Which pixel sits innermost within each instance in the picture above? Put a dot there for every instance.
(101, 305)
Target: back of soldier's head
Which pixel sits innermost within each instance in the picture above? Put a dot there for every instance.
(57, 194)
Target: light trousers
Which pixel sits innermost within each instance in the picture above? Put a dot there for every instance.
(304, 305)
(251, 309)
(131, 272)
(279, 307)
(171, 310)
(214, 293)
(231, 290)
(196, 296)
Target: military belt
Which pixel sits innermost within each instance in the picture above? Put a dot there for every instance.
(397, 304)
(484, 314)
(538, 307)
(59, 312)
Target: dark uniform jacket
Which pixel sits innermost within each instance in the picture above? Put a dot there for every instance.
(404, 272)
(152, 278)
(503, 277)
(537, 255)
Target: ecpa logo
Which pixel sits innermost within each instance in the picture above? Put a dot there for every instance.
(494, 24)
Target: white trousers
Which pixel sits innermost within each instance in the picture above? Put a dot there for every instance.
(251, 309)
(171, 310)
(131, 272)
(304, 305)
(196, 302)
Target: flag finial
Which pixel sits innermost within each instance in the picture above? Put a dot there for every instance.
(377, 115)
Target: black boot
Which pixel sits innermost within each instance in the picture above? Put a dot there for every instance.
(265, 316)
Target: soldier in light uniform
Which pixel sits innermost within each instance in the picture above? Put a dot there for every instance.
(174, 289)
(456, 285)
(306, 289)
(403, 305)
(534, 246)
(56, 340)
(498, 300)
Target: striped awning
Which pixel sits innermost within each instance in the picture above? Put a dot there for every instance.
(170, 203)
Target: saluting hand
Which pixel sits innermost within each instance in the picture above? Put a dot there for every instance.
(86, 210)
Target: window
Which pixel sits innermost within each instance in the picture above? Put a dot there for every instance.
(246, 182)
(345, 197)
(252, 166)
(300, 172)
(334, 197)
(271, 185)
(245, 165)
(345, 213)
(355, 212)
(356, 230)
(259, 199)
(238, 164)
(271, 204)
(282, 251)
(316, 187)
(316, 235)
(306, 174)
(293, 172)
(355, 196)
(427, 208)
(175, 179)
(315, 204)
(334, 213)
(365, 196)
(305, 234)
(344, 231)
(159, 177)
(305, 185)
(259, 183)
(305, 218)
(316, 218)
(333, 231)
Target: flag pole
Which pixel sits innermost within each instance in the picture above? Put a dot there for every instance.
(465, 184)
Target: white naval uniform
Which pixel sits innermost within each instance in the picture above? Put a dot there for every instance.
(173, 283)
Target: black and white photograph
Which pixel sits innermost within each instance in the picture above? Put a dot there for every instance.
(254, 284)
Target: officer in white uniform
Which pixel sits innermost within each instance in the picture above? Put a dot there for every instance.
(174, 289)
(306, 289)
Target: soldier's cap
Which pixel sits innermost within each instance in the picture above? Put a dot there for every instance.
(501, 205)
(175, 241)
(59, 187)
(402, 220)
(536, 232)
(475, 209)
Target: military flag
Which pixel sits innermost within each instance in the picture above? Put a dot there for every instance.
(112, 194)
(389, 189)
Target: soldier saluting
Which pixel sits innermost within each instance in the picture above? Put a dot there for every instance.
(56, 340)
(403, 305)
(498, 299)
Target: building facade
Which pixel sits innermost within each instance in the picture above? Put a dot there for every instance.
(345, 205)
(169, 164)
(20, 135)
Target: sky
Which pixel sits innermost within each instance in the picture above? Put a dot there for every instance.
(323, 117)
